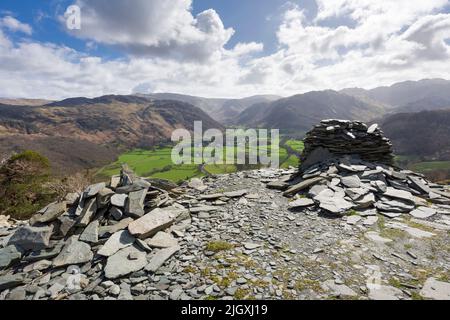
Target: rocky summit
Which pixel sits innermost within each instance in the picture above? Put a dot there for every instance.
(337, 138)
(348, 226)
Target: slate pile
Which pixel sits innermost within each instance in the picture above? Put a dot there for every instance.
(346, 183)
(107, 232)
(336, 138)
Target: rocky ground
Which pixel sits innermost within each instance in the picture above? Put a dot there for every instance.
(244, 241)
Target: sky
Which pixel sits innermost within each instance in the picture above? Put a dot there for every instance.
(218, 48)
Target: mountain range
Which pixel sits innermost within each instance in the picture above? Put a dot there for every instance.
(90, 132)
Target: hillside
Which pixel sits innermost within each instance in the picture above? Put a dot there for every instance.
(425, 134)
(222, 110)
(298, 113)
(404, 93)
(85, 133)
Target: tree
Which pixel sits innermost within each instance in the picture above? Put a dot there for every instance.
(24, 185)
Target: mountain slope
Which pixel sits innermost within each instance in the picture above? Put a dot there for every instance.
(404, 93)
(113, 123)
(222, 110)
(425, 134)
(299, 113)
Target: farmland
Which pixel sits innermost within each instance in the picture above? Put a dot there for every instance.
(157, 163)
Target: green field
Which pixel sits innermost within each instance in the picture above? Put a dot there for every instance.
(425, 167)
(157, 163)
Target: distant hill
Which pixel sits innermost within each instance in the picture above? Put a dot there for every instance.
(83, 132)
(425, 104)
(299, 113)
(423, 134)
(221, 110)
(24, 102)
(404, 93)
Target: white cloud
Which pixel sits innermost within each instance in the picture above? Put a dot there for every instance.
(154, 28)
(15, 25)
(389, 42)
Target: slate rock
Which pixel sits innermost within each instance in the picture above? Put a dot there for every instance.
(49, 213)
(156, 220)
(116, 242)
(32, 238)
(423, 212)
(162, 240)
(90, 234)
(74, 252)
(436, 290)
(160, 258)
(119, 264)
(10, 255)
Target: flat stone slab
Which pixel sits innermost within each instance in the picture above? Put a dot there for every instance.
(119, 200)
(399, 194)
(124, 262)
(158, 260)
(32, 238)
(414, 232)
(423, 212)
(9, 255)
(351, 181)
(339, 290)
(236, 194)
(203, 209)
(123, 224)
(135, 204)
(383, 292)
(303, 185)
(116, 242)
(436, 290)
(74, 252)
(375, 237)
(10, 281)
(90, 234)
(157, 220)
(93, 190)
(162, 240)
(301, 203)
(49, 213)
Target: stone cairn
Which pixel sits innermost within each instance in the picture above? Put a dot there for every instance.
(106, 232)
(337, 138)
(346, 168)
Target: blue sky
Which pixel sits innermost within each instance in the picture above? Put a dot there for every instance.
(219, 48)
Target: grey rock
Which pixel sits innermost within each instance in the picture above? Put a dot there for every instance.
(301, 203)
(11, 281)
(436, 290)
(236, 194)
(120, 265)
(160, 258)
(116, 213)
(93, 190)
(303, 185)
(135, 204)
(90, 234)
(340, 290)
(399, 194)
(17, 294)
(10, 255)
(162, 240)
(155, 221)
(66, 224)
(49, 213)
(116, 242)
(351, 181)
(119, 200)
(108, 230)
(32, 238)
(74, 252)
(104, 197)
(86, 215)
(423, 212)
